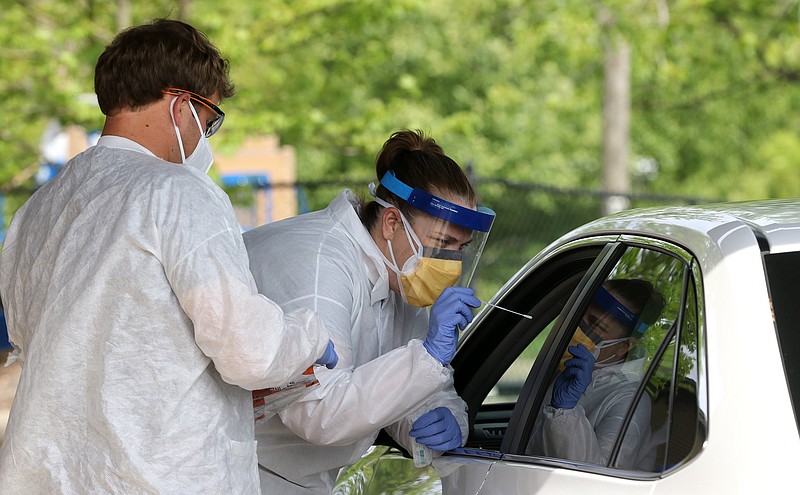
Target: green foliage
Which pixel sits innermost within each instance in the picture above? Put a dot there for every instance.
(511, 86)
(384, 472)
(667, 275)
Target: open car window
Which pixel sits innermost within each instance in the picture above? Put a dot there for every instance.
(493, 364)
(640, 409)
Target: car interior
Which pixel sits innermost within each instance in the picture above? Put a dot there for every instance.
(505, 362)
(506, 390)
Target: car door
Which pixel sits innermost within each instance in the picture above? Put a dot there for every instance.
(506, 366)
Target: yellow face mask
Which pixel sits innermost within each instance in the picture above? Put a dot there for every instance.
(579, 337)
(427, 272)
(433, 275)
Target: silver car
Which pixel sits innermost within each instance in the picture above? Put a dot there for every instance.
(694, 393)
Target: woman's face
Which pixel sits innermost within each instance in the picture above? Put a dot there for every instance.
(432, 232)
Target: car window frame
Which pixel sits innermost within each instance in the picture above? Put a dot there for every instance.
(520, 426)
(572, 255)
(522, 421)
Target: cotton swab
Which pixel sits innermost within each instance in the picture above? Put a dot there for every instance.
(506, 309)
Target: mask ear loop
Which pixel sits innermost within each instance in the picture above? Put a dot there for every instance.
(177, 131)
(413, 240)
(391, 253)
(197, 121)
(393, 263)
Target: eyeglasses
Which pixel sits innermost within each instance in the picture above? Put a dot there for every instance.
(213, 125)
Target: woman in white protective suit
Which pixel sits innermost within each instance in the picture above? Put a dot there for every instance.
(589, 399)
(370, 270)
(129, 300)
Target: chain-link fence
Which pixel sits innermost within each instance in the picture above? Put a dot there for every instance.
(529, 217)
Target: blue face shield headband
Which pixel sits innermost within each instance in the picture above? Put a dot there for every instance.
(620, 312)
(615, 308)
(480, 219)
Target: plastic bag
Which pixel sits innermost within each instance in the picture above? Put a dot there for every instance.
(269, 401)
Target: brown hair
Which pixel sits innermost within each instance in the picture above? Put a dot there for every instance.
(419, 162)
(144, 60)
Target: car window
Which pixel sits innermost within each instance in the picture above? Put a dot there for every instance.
(641, 410)
(783, 270)
(507, 389)
(676, 425)
(604, 403)
(492, 364)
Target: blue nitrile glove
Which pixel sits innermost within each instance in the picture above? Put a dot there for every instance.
(571, 383)
(329, 358)
(437, 429)
(449, 314)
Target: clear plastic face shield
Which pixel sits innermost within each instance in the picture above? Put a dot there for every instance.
(447, 240)
(607, 323)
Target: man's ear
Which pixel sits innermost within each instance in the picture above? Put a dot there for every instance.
(180, 108)
(628, 345)
(390, 222)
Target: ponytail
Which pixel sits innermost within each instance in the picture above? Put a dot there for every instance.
(419, 162)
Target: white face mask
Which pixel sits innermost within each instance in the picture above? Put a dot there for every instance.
(202, 157)
(614, 359)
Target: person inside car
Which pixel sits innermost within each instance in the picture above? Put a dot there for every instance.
(587, 403)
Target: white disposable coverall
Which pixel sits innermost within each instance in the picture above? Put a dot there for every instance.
(328, 262)
(588, 431)
(136, 319)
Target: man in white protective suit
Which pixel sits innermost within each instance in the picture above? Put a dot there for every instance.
(129, 300)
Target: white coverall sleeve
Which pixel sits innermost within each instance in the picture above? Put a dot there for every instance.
(446, 398)
(252, 343)
(568, 433)
(381, 375)
(353, 404)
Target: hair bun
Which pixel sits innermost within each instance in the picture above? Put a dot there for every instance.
(401, 143)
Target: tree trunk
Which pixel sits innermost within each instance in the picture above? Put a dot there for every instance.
(184, 10)
(123, 14)
(616, 125)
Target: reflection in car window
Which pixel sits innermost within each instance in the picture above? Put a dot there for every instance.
(507, 345)
(685, 416)
(596, 409)
(673, 392)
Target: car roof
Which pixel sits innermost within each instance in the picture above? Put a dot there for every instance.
(773, 225)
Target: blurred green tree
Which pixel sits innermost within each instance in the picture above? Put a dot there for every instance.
(510, 86)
